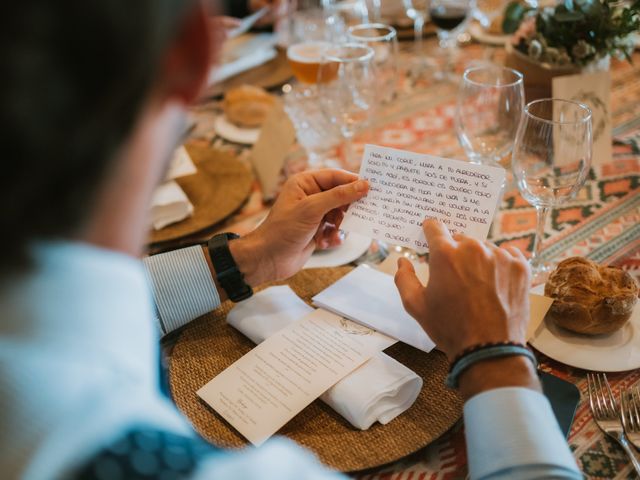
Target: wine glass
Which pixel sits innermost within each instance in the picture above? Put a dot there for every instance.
(551, 160)
(384, 42)
(449, 16)
(417, 11)
(347, 87)
(490, 105)
(341, 14)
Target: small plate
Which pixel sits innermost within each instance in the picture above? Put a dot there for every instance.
(479, 34)
(233, 133)
(352, 248)
(615, 352)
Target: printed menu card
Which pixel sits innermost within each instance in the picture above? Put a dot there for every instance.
(405, 188)
(267, 387)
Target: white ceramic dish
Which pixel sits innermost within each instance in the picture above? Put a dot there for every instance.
(616, 352)
(233, 133)
(353, 247)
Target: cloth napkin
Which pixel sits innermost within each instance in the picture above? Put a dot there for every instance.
(169, 205)
(379, 390)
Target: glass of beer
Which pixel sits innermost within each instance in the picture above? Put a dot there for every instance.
(305, 59)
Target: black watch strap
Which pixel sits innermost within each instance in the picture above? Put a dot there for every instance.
(230, 278)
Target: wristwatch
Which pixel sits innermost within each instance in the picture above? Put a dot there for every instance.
(230, 278)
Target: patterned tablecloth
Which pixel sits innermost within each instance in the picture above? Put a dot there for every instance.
(602, 223)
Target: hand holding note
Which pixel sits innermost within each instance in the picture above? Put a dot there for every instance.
(406, 188)
(477, 292)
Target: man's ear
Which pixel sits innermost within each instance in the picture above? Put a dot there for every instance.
(188, 58)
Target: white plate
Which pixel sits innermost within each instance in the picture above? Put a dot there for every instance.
(233, 133)
(352, 248)
(616, 352)
(481, 35)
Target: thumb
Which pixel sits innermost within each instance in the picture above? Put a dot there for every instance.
(409, 286)
(323, 202)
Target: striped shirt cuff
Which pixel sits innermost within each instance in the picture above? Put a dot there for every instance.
(182, 286)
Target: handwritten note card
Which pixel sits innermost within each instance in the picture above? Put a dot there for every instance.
(263, 390)
(406, 188)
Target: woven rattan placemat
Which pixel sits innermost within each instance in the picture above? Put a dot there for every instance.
(208, 345)
(220, 187)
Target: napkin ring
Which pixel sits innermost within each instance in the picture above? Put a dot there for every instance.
(485, 351)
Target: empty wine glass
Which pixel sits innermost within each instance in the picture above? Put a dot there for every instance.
(417, 10)
(383, 40)
(490, 105)
(449, 16)
(551, 160)
(347, 87)
(341, 14)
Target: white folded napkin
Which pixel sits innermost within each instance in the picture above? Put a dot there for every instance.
(181, 165)
(169, 205)
(379, 390)
(243, 53)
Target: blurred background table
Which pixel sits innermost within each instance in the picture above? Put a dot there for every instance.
(601, 223)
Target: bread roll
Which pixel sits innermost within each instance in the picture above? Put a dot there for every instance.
(589, 298)
(247, 106)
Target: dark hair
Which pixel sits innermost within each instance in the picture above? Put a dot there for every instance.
(73, 77)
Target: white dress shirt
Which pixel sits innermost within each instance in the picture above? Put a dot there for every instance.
(78, 367)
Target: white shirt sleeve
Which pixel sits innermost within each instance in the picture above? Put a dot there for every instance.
(512, 433)
(278, 459)
(182, 285)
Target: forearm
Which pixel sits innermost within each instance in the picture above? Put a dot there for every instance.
(516, 371)
(248, 254)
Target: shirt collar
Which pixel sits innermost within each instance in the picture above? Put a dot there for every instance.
(87, 303)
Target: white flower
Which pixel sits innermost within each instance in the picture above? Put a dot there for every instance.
(582, 50)
(535, 49)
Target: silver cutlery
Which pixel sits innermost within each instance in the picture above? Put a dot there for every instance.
(630, 414)
(606, 415)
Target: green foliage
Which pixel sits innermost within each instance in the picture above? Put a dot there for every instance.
(588, 29)
(513, 16)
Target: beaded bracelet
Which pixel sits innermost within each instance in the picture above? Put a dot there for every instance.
(482, 352)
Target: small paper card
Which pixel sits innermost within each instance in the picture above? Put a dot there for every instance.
(370, 297)
(406, 188)
(263, 390)
(594, 90)
(270, 151)
(539, 306)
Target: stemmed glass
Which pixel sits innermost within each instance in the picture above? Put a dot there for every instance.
(417, 11)
(551, 160)
(490, 105)
(347, 87)
(384, 42)
(341, 14)
(449, 16)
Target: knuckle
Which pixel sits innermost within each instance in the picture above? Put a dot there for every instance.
(521, 267)
(475, 248)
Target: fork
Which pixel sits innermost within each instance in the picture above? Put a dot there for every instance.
(630, 414)
(605, 413)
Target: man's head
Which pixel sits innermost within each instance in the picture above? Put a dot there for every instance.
(83, 86)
